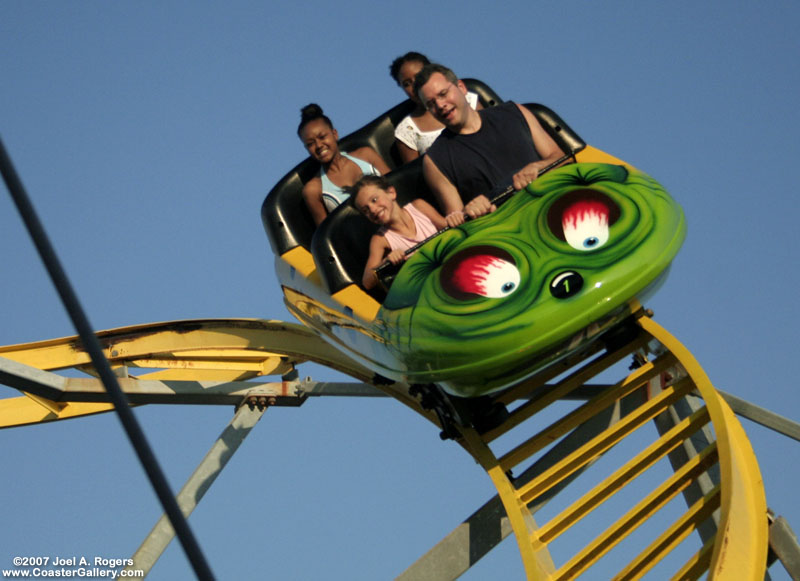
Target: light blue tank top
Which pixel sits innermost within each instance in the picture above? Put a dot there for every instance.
(333, 195)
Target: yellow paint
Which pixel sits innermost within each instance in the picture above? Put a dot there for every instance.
(363, 305)
(593, 155)
(740, 552)
(23, 411)
(226, 350)
(302, 261)
(739, 549)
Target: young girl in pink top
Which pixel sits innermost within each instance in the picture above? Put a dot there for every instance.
(401, 228)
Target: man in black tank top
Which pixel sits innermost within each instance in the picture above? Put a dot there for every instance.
(478, 151)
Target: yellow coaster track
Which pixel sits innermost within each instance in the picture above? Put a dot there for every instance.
(733, 505)
(695, 473)
(221, 351)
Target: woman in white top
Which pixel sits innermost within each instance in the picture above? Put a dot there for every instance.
(417, 131)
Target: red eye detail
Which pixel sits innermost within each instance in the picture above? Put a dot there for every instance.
(585, 224)
(481, 270)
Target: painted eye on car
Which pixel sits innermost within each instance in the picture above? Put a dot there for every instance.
(585, 224)
(582, 218)
(483, 271)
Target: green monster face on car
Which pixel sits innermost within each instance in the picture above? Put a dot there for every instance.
(477, 306)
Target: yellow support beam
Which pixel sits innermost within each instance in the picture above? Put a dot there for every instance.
(202, 350)
(48, 404)
(564, 387)
(23, 411)
(653, 390)
(623, 476)
(603, 442)
(696, 565)
(671, 537)
(227, 351)
(637, 515)
(536, 559)
(628, 385)
(221, 340)
(741, 549)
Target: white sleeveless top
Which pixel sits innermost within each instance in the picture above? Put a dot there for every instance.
(408, 133)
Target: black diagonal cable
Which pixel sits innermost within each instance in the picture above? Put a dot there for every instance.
(101, 365)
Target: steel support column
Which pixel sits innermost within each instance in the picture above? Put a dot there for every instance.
(199, 482)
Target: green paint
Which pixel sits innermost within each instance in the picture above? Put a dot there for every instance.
(474, 344)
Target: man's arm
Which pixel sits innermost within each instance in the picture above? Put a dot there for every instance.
(445, 192)
(432, 213)
(455, 212)
(547, 149)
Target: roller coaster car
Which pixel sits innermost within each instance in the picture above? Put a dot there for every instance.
(482, 306)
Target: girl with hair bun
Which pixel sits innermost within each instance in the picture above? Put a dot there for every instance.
(324, 192)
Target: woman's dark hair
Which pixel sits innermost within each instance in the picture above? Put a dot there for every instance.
(366, 180)
(310, 113)
(416, 57)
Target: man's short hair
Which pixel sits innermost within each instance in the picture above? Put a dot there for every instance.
(424, 75)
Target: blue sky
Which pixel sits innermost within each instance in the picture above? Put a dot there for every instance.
(147, 135)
